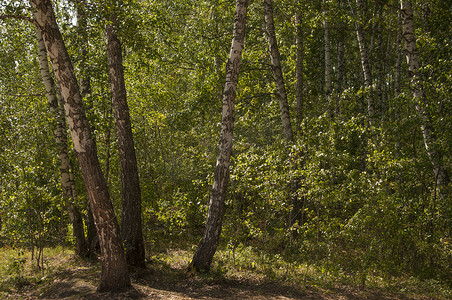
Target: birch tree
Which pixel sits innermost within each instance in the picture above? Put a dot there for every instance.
(364, 56)
(277, 71)
(422, 102)
(67, 184)
(114, 273)
(203, 256)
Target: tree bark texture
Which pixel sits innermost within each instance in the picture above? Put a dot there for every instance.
(131, 228)
(114, 274)
(428, 132)
(277, 71)
(206, 249)
(365, 64)
(67, 185)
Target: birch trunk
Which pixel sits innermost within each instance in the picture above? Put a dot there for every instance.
(428, 132)
(202, 258)
(67, 184)
(131, 228)
(277, 71)
(114, 274)
(365, 65)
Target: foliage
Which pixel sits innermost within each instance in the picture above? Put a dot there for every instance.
(369, 204)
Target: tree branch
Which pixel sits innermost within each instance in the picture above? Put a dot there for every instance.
(18, 17)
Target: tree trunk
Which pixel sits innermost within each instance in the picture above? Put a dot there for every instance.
(75, 216)
(131, 228)
(85, 90)
(299, 69)
(428, 132)
(365, 61)
(206, 249)
(85, 82)
(277, 71)
(328, 65)
(114, 274)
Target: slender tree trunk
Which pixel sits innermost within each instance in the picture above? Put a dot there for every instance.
(428, 132)
(299, 69)
(206, 249)
(365, 64)
(131, 228)
(328, 64)
(114, 274)
(277, 71)
(295, 213)
(85, 81)
(75, 216)
(341, 78)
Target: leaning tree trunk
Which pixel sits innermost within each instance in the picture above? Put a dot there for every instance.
(277, 71)
(81, 248)
(85, 90)
(428, 132)
(297, 204)
(131, 228)
(114, 274)
(206, 249)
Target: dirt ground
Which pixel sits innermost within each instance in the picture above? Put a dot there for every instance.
(173, 283)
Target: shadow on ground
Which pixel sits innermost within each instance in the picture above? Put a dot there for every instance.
(160, 281)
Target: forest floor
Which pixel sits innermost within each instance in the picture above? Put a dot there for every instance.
(165, 278)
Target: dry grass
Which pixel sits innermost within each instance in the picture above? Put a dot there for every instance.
(242, 275)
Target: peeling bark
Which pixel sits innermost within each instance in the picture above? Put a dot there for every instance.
(67, 184)
(206, 249)
(114, 274)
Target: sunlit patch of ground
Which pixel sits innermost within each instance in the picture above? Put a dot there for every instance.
(165, 278)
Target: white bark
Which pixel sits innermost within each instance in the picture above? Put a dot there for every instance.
(208, 245)
(277, 71)
(67, 183)
(364, 60)
(428, 132)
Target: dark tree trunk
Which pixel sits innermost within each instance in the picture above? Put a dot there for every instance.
(206, 249)
(114, 274)
(91, 234)
(131, 228)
